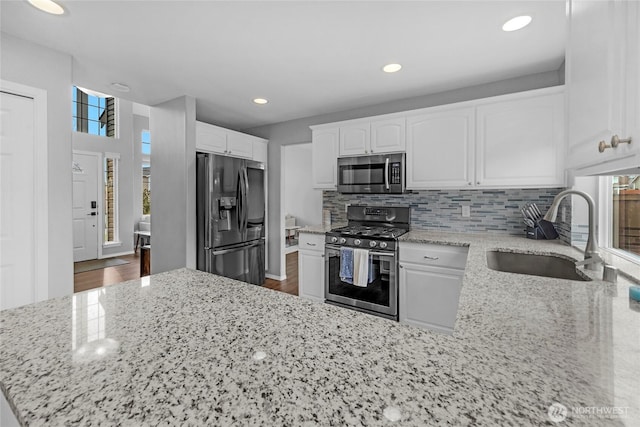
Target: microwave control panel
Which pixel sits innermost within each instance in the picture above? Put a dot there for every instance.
(395, 174)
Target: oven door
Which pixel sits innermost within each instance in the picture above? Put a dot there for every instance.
(371, 174)
(379, 297)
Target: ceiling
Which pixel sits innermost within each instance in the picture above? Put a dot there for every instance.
(306, 57)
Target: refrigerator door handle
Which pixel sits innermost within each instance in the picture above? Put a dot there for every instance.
(245, 210)
(209, 207)
(236, 248)
(239, 199)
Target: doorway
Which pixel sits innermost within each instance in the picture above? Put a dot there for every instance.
(23, 195)
(86, 205)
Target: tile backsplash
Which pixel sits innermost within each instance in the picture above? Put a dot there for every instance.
(496, 211)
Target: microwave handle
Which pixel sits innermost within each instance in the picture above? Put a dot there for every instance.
(386, 173)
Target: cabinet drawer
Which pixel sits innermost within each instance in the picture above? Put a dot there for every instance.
(434, 255)
(311, 242)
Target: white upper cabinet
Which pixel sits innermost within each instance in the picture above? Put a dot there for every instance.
(324, 152)
(388, 136)
(602, 81)
(440, 149)
(520, 142)
(240, 145)
(211, 138)
(260, 151)
(214, 139)
(372, 137)
(355, 139)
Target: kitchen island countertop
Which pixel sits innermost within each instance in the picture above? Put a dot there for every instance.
(187, 347)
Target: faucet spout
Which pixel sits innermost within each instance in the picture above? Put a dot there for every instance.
(591, 253)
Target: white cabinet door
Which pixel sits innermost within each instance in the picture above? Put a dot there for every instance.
(388, 136)
(440, 149)
(260, 151)
(601, 56)
(239, 145)
(311, 275)
(324, 149)
(429, 296)
(211, 138)
(519, 143)
(355, 139)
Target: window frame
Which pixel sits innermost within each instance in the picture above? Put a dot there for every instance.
(116, 112)
(605, 221)
(116, 197)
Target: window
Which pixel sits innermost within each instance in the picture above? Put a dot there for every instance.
(93, 112)
(146, 172)
(625, 213)
(111, 198)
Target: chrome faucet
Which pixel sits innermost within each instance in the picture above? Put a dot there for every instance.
(591, 255)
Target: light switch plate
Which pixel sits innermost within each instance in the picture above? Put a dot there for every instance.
(466, 211)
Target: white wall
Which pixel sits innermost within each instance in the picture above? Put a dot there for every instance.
(173, 205)
(33, 65)
(124, 145)
(294, 131)
(300, 199)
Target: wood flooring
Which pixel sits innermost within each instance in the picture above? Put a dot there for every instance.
(121, 273)
(108, 276)
(290, 284)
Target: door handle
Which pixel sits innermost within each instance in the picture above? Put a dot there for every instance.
(92, 214)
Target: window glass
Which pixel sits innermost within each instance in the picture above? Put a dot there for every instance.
(93, 112)
(111, 200)
(625, 224)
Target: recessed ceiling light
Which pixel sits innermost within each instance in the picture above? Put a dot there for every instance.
(517, 23)
(120, 87)
(260, 101)
(48, 6)
(391, 68)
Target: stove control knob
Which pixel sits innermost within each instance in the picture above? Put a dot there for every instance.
(334, 239)
(357, 242)
(383, 245)
(373, 243)
(343, 240)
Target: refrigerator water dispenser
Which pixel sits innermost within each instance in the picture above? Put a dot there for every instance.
(225, 205)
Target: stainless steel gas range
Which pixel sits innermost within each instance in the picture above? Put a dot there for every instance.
(374, 229)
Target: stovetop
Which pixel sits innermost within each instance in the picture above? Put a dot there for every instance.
(370, 231)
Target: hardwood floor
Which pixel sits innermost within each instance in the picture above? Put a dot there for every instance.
(290, 284)
(108, 276)
(120, 273)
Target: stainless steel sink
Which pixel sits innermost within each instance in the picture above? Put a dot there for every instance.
(536, 265)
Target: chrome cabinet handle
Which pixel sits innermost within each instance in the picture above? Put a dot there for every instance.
(311, 244)
(615, 141)
(603, 146)
(434, 258)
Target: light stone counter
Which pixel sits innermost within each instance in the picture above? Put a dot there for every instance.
(186, 347)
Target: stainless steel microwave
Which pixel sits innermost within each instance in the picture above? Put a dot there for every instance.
(379, 174)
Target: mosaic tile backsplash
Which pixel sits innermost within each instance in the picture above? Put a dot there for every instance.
(496, 211)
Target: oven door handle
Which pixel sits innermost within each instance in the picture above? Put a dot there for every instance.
(337, 248)
(386, 173)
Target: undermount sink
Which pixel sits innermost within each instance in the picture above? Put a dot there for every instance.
(536, 265)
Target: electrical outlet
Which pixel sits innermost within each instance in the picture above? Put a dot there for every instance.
(564, 214)
(466, 211)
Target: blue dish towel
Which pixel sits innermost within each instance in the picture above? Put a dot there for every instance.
(346, 266)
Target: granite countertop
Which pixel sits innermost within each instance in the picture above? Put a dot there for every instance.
(187, 347)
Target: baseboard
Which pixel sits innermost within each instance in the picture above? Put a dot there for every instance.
(116, 255)
(274, 277)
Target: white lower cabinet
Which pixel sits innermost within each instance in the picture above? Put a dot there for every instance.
(311, 266)
(430, 283)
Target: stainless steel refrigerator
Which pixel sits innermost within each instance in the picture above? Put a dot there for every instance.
(230, 208)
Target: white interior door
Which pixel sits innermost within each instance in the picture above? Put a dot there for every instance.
(17, 204)
(85, 206)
